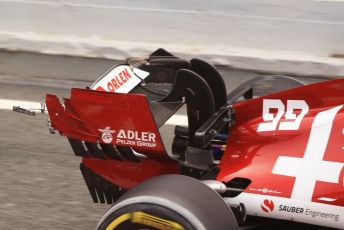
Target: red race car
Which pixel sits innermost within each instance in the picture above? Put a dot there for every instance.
(278, 155)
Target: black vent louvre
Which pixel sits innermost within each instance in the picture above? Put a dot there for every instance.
(102, 151)
(100, 189)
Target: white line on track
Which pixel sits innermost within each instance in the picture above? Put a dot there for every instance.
(177, 120)
(102, 6)
(329, 0)
(177, 11)
(7, 104)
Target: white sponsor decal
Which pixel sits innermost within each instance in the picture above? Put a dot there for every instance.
(271, 120)
(107, 135)
(327, 199)
(129, 137)
(121, 79)
(312, 168)
(265, 190)
(289, 209)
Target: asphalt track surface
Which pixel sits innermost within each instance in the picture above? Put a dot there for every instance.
(41, 186)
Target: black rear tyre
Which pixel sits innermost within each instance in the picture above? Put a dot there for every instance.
(170, 202)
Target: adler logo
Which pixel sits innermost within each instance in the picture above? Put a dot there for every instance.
(135, 138)
(107, 135)
(268, 206)
(128, 137)
(135, 135)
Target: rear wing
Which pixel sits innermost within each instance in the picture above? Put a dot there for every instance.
(107, 119)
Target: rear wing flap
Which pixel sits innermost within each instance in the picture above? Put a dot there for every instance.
(107, 119)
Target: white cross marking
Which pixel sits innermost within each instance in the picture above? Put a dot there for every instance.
(312, 168)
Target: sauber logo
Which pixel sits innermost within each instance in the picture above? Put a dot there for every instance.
(308, 212)
(129, 137)
(107, 135)
(268, 206)
(292, 209)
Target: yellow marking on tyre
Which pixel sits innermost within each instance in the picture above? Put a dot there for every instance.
(145, 219)
(153, 221)
(118, 221)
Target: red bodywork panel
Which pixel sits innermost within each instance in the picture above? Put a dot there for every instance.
(286, 153)
(116, 119)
